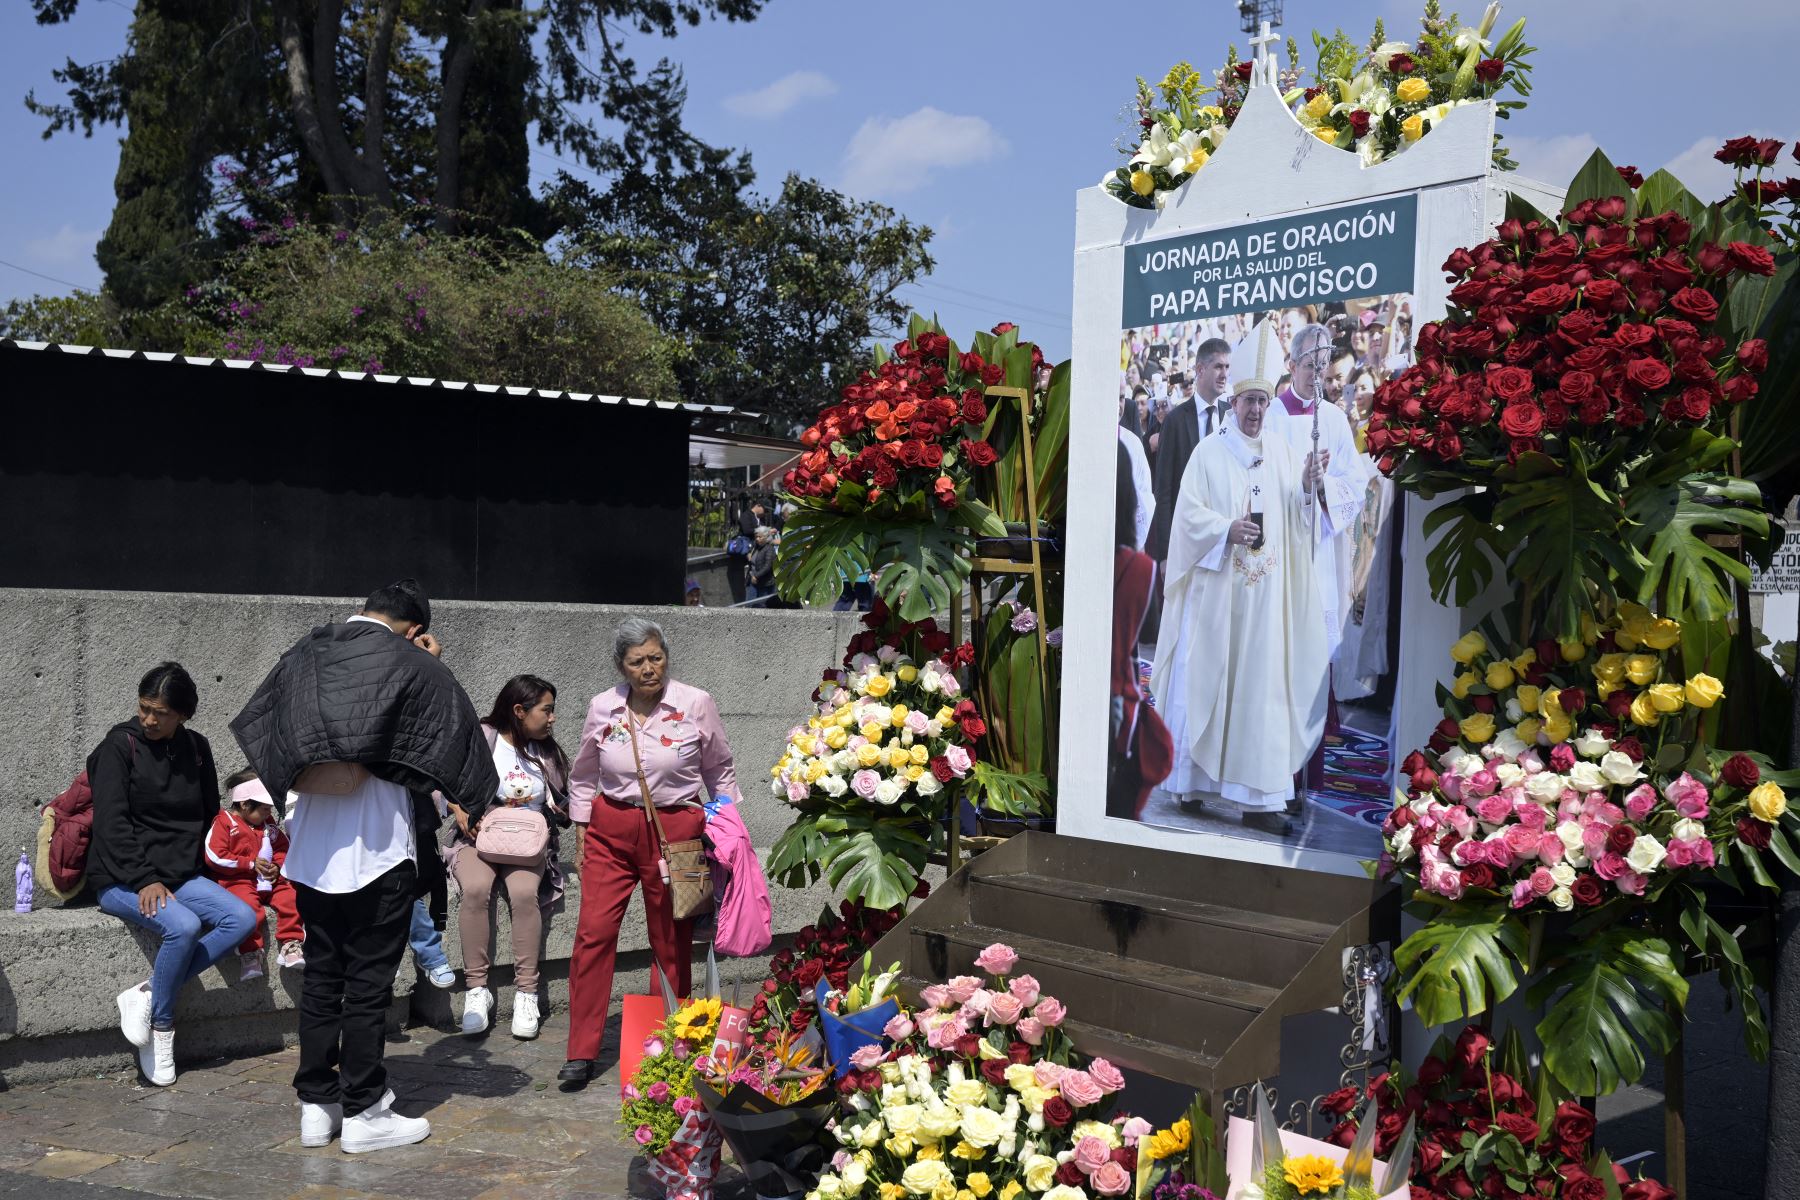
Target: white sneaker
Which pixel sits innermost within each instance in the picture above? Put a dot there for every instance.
(157, 1060)
(134, 1014)
(319, 1123)
(292, 957)
(250, 965)
(381, 1128)
(525, 1015)
(478, 1011)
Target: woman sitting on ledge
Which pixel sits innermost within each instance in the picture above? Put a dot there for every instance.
(156, 792)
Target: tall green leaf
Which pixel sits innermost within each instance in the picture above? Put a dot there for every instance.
(1770, 419)
(1565, 524)
(1462, 963)
(1668, 527)
(1662, 192)
(1609, 997)
(1597, 178)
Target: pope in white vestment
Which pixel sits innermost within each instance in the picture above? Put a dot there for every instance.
(1239, 674)
(1346, 476)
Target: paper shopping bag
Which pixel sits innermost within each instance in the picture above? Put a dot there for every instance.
(639, 1017)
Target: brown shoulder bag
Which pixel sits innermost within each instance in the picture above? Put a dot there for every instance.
(684, 867)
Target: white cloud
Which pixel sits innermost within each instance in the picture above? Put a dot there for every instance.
(68, 248)
(899, 154)
(1701, 173)
(1551, 160)
(782, 95)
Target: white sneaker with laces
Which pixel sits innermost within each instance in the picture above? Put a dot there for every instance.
(250, 965)
(525, 1015)
(478, 1010)
(292, 956)
(157, 1060)
(134, 1014)
(381, 1128)
(319, 1123)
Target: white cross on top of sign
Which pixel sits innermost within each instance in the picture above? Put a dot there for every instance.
(1265, 59)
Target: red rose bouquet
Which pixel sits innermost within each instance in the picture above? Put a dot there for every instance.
(1583, 383)
(887, 482)
(1486, 1127)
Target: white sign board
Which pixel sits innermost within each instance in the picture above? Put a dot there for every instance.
(1283, 230)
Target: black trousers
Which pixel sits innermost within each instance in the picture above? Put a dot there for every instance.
(354, 943)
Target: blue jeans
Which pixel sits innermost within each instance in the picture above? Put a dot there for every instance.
(199, 904)
(426, 939)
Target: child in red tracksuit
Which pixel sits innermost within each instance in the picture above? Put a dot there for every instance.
(244, 853)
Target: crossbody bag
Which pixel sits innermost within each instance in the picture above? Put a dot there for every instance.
(685, 870)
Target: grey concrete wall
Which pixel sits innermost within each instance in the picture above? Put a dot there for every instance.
(71, 662)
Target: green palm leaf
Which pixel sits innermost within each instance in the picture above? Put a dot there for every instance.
(1462, 963)
(1611, 995)
(1668, 527)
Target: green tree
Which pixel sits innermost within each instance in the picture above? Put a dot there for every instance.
(383, 297)
(776, 298)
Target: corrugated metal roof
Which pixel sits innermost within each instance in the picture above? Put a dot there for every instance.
(710, 410)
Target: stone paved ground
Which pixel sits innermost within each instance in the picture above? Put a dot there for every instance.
(230, 1130)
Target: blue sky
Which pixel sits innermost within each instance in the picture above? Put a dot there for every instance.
(982, 119)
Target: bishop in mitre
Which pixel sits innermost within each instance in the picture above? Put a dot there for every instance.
(1240, 672)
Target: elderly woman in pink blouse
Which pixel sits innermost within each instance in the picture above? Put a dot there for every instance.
(668, 735)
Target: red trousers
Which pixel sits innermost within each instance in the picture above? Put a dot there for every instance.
(620, 853)
(287, 915)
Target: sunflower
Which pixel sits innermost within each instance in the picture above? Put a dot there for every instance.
(1167, 1143)
(1312, 1173)
(698, 1020)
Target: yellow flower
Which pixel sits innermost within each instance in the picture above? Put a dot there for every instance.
(898, 716)
(815, 771)
(1499, 675)
(931, 1152)
(837, 738)
(1325, 133)
(1318, 106)
(1523, 663)
(1590, 628)
(1478, 727)
(1643, 711)
(892, 1191)
(979, 1184)
(879, 685)
(944, 1189)
(1528, 696)
(898, 757)
(1610, 668)
(1641, 668)
(1528, 729)
(1167, 1143)
(1469, 647)
(1666, 697)
(1310, 1173)
(1213, 111)
(1411, 91)
(1413, 128)
(1572, 649)
(1703, 691)
(919, 754)
(968, 1091)
(1558, 728)
(908, 673)
(1198, 158)
(846, 720)
(915, 773)
(868, 755)
(945, 714)
(1142, 183)
(697, 1020)
(1459, 687)
(1662, 634)
(1768, 802)
(966, 1151)
(900, 1146)
(874, 732)
(1040, 1172)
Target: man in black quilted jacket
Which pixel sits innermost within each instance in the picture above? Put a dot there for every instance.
(360, 721)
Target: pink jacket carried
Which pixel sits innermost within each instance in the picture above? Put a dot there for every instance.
(744, 922)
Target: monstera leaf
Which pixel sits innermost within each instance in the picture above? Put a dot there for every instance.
(874, 860)
(1564, 523)
(1460, 564)
(923, 558)
(1669, 524)
(1611, 995)
(1462, 963)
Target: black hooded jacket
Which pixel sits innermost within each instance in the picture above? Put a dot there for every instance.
(356, 692)
(154, 803)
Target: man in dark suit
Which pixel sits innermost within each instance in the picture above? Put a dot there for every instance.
(1186, 424)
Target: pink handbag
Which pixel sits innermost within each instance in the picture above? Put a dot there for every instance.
(512, 837)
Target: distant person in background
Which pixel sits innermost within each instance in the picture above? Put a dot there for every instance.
(690, 595)
(739, 547)
(156, 792)
(762, 566)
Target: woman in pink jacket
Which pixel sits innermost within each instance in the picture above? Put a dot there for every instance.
(649, 732)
